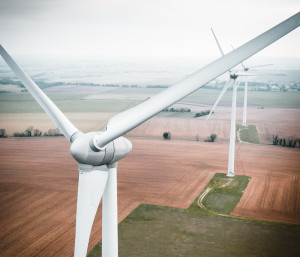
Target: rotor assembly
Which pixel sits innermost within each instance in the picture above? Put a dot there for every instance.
(84, 152)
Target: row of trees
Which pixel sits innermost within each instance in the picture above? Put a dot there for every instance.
(32, 132)
(211, 138)
(3, 133)
(176, 110)
(202, 113)
(287, 142)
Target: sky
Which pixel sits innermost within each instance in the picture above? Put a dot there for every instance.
(162, 29)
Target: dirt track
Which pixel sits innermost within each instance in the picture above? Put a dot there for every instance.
(38, 186)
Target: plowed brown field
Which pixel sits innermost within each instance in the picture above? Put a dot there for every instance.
(38, 186)
(269, 121)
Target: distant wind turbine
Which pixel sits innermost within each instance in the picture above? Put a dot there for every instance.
(233, 76)
(246, 69)
(98, 153)
(234, 82)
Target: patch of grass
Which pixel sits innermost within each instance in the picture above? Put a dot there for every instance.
(248, 134)
(226, 192)
(177, 232)
(224, 195)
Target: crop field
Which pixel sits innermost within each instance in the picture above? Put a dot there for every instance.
(182, 128)
(18, 111)
(38, 177)
(255, 98)
(16, 122)
(269, 121)
(283, 122)
(24, 103)
(278, 178)
(38, 186)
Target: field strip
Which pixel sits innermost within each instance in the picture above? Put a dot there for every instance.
(238, 135)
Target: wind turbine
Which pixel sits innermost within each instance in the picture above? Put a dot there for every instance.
(246, 69)
(97, 153)
(234, 81)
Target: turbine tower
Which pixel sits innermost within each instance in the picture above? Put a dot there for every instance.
(98, 153)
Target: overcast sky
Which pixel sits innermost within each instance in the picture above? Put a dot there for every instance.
(138, 28)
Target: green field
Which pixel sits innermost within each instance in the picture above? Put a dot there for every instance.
(160, 231)
(256, 98)
(248, 134)
(24, 103)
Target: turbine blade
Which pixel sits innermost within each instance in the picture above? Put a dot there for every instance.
(129, 119)
(244, 68)
(258, 74)
(263, 65)
(60, 120)
(219, 46)
(228, 83)
(91, 186)
(238, 83)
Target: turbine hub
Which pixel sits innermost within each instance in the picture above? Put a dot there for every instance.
(83, 152)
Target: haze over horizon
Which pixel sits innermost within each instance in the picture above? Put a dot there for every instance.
(141, 29)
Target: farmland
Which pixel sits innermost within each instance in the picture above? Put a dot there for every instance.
(39, 187)
(269, 121)
(91, 111)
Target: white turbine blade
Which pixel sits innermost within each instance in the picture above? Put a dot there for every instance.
(219, 46)
(60, 120)
(244, 68)
(228, 83)
(129, 119)
(247, 73)
(91, 186)
(238, 82)
(263, 65)
(110, 216)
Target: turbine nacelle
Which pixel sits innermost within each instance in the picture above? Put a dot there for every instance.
(234, 75)
(83, 151)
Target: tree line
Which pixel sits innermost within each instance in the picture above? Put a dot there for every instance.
(32, 132)
(290, 141)
(176, 110)
(202, 113)
(211, 138)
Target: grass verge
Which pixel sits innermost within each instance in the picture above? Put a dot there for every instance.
(224, 194)
(247, 134)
